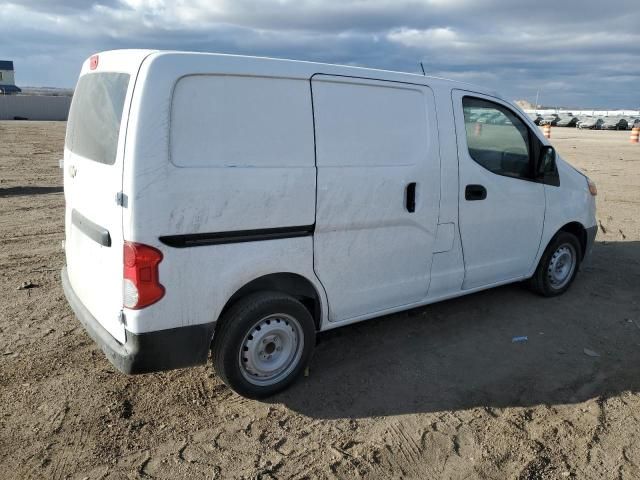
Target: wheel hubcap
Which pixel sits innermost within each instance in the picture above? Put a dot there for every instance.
(561, 266)
(271, 349)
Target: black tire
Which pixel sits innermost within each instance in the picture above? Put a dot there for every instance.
(235, 331)
(542, 281)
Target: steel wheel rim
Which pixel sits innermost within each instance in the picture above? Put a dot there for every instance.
(271, 349)
(561, 266)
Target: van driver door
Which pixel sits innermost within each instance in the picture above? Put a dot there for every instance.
(501, 203)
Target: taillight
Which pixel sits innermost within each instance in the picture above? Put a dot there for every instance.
(141, 282)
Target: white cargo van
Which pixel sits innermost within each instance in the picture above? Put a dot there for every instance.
(240, 205)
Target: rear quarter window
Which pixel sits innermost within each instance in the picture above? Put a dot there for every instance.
(96, 112)
(241, 121)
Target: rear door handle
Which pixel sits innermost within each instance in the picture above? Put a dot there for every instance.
(410, 197)
(475, 192)
(94, 231)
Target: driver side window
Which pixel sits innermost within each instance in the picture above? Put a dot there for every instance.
(497, 139)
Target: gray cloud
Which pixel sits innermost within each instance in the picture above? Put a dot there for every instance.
(576, 53)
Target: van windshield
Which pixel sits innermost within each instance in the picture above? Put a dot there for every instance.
(94, 118)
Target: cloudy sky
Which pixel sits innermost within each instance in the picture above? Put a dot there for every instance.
(576, 53)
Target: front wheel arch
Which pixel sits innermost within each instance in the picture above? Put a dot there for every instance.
(577, 230)
(542, 281)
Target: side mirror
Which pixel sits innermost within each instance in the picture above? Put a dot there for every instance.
(546, 160)
(546, 169)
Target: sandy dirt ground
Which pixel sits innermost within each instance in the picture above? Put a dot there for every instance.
(437, 392)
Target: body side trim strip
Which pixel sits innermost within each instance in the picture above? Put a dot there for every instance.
(238, 236)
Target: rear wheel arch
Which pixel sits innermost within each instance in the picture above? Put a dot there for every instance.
(288, 283)
(263, 343)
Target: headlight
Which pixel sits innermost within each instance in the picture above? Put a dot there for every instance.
(592, 187)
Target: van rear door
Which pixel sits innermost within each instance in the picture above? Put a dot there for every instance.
(93, 167)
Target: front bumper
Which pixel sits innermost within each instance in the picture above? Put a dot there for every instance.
(145, 352)
(591, 238)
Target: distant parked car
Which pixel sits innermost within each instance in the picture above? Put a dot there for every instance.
(499, 120)
(633, 122)
(580, 119)
(567, 120)
(488, 117)
(591, 123)
(614, 123)
(536, 117)
(551, 119)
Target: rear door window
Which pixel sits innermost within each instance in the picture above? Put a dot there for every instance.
(94, 119)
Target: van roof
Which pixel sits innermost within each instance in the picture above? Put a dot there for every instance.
(305, 69)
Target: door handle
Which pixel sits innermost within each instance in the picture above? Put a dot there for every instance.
(410, 197)
(475, 192)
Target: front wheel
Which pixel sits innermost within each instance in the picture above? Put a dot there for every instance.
(558, 266)
(264, 342)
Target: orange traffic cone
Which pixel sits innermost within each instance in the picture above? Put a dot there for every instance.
(478, 129)
(546, 130)
(635, 135)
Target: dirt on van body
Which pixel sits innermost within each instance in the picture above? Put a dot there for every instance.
(437, 392)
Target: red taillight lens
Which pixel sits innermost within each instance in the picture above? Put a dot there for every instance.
(141, 281)
(93, 62)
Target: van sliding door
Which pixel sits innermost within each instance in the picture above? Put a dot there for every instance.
(378, 193)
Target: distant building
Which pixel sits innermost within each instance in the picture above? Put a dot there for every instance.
(7, 78)
(525, 105)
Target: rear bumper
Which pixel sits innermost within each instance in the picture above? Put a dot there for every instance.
(145, 352)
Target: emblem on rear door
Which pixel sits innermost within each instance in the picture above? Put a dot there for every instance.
(72, 171)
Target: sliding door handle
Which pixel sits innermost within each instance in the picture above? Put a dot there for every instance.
(410, 197)
(475, 192)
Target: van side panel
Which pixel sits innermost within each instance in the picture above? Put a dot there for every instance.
(240, 157)
(200, 280)
(219, 147)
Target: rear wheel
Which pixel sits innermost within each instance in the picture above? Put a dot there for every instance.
(264, 342)
(558, 266)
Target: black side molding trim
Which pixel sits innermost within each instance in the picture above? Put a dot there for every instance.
(93, 231)
(238, 236)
